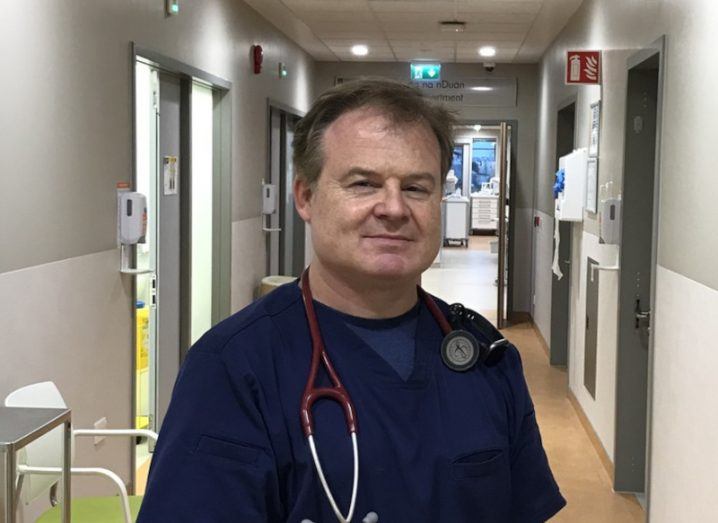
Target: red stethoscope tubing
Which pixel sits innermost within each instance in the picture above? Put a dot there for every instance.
(337, 392)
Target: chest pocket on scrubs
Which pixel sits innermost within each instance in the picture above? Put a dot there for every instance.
(480, 486)
(228, 451)
(484, 463)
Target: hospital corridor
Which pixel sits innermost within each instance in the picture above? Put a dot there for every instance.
(376, 261)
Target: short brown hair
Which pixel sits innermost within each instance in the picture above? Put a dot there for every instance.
(401, 104)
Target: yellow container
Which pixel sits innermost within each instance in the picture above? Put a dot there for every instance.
(142, 346)
(142, 323)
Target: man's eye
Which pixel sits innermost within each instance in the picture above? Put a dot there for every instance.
(362, 183)
(417, 188)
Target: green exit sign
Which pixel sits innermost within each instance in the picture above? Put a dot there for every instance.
(425, 72)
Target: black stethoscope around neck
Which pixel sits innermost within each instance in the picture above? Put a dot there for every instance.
(460, 351)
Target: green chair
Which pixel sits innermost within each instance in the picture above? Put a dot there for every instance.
(40, 465)
(100, 510)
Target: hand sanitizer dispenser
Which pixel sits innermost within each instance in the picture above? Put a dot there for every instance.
(610, 221)
(269, 199)
(132, 217)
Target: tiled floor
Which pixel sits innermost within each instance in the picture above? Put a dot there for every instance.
(467, 275)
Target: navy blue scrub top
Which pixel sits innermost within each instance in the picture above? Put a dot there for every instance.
(442, 446)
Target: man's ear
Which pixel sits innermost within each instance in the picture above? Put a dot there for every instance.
(303, 198)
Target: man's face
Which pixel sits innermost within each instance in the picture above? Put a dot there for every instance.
(375, 210)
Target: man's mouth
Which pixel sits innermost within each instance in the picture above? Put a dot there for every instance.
(389, 237)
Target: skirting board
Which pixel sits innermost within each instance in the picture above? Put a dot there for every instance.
(595, 441)
(542, 341)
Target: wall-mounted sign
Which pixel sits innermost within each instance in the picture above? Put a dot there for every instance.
(420, 72)
(471, 92)
(460, 91)
(583, 67)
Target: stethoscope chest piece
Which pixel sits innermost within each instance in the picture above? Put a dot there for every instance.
(460, 350)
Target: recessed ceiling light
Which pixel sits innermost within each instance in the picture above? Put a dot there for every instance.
(477, 128)
(360, 50)
(487, 51)
(482, 88)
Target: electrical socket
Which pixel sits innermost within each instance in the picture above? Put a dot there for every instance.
(100, 424)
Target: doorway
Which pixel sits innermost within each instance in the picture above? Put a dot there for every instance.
(637, 261)
(181, 164)
(286, 234)
(560, 296)
(480, 179)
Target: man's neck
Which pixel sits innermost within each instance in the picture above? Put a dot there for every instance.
(378, 300)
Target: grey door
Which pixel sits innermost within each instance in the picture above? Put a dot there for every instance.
(272, 222)
(636, 278)
(292, 235)
(591, 343)
(168, 258)
(560, 303)
(285, 229)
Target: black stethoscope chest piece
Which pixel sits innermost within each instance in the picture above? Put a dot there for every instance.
(460, 350)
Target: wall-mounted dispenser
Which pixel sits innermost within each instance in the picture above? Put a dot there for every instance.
(269, 198)
(131, 225)
(571, 200)
(610, 221)
(131, 217)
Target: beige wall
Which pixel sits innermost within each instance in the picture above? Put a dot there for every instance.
(687, 244)
(523, 113)
(65, 101)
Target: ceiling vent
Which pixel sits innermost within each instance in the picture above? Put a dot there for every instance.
(452, 26)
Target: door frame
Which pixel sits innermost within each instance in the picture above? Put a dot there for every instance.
(656, 48)
(222, 194)
(283, 110)
(511, 180)
(562, 359)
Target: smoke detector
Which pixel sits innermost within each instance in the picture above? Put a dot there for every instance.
(452, 26)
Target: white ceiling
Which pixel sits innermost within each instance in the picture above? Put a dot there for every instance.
(405, 30)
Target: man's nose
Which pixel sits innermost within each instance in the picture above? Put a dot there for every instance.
(392, 204)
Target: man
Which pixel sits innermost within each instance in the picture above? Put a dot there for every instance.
(434, 444)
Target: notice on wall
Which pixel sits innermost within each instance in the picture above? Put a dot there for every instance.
(594, 135)
(592, 185)
(170, 174)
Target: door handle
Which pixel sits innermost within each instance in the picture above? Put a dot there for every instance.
(640, 315)
(272, 229)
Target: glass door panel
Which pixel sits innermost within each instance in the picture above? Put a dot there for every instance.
(483, 163)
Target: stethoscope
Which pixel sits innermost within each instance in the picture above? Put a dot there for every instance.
(460, 351)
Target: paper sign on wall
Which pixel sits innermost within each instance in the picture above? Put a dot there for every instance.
(169, 167)
(583, 67)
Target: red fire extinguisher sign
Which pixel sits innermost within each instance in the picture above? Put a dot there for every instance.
(583, 67)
